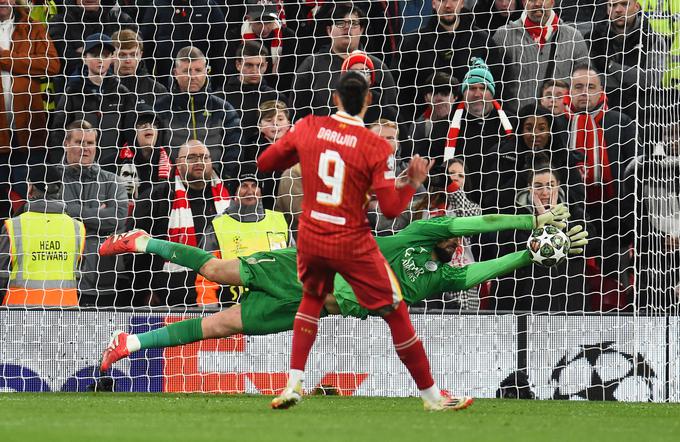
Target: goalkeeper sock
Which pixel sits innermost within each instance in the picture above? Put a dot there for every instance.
(409, 348)
(187, 256)
(305, 328)
(179, 333)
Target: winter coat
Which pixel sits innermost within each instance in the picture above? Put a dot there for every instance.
(316, 79)
(109, 108)
(530, 64)
(32, 56)
(433, 49)
(144, 87)
(204, 117)
(85, 190)
(246, 99)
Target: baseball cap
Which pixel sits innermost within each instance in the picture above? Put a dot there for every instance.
(261, 11)
(97, 40)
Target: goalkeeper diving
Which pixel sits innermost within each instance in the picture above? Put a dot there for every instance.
(419, 255)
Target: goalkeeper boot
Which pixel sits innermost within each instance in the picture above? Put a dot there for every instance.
(288, 398)
(448, 402)
(128, 242)
(116, 350)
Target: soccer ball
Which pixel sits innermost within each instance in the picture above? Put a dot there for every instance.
(548, 246)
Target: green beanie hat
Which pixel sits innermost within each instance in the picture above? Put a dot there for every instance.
(479, 73)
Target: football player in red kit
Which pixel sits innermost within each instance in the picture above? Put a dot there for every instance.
(341, 162)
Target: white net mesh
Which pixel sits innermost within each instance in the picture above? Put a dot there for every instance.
(151, 115)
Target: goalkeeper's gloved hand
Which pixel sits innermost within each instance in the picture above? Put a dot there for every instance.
(557, 216)
(578, 238)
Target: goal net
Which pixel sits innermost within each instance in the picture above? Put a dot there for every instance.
(122, 115)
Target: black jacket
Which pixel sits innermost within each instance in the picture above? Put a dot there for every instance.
(205, 117)
(170, 25)
(246, 100)
(433, 49)
(488, 18)
(110, 108)
(144, 87)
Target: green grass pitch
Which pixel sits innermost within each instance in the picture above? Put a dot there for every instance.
(120, 417)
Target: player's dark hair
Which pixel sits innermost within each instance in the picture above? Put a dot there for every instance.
(352, 89)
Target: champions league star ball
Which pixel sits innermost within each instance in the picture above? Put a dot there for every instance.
(548, 246)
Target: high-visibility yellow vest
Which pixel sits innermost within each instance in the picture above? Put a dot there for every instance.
(241, 239)
(45, 250)
(663, 19)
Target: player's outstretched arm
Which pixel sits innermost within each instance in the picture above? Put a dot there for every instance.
(138, 241)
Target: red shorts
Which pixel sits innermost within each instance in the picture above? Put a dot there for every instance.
(370, 276)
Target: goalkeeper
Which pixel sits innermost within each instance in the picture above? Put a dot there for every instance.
(418, 255)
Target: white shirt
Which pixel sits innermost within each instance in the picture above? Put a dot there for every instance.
(6, 31)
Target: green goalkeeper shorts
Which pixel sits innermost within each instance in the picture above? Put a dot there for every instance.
(274, 292)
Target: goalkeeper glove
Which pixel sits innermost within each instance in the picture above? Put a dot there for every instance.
(555, 217)
(578, 239)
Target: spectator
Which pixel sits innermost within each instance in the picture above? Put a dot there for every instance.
(428, 134)
(582, 12)
(97, 97)
(490, 15)
(316, 76)
(607, 140)
(478, 124)
(131, 72)
(631, 55)
(360, 61)
(80, 19)
(273, 124)
(244, 228)
(539, 47)
(381, 224)
(535, 142)
(26, 55)
(192, 111)
(263, 25)
(180, 211)
(559, 288)
(552, 96)
(147, 158)
(247, 90)
(171, 25)
(98, 199)
(43, 231)
(447, 43)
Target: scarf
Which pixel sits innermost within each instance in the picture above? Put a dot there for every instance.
(276, 48)
(181, 223)
(454, 129)
(587, 136)
(541, 34)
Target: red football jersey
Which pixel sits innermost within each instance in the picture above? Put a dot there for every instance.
(341, 162)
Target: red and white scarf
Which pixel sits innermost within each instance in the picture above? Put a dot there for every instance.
(181, 224)
(541, 34)
(587, 136)
(276, 48)
(454, 129)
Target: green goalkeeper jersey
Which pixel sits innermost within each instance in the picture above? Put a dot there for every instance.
(409, 254)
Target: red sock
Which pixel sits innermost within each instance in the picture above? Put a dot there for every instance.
(408, 346)
(304, 329)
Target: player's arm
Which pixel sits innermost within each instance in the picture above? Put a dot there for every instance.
(282, 154)
(384, 182)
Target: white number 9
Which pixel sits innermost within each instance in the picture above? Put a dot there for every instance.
(331, 159)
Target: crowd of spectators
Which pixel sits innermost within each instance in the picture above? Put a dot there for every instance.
(153, 115)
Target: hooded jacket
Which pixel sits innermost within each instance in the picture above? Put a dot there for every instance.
(32, 56)
(204, 117)
(97, 198)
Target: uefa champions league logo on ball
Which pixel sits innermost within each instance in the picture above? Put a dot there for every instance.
(600, 372)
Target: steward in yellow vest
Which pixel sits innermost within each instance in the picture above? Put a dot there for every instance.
(245, 228)
(40, 250)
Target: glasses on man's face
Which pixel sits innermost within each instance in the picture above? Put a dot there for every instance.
(344, 24)
(195, 158)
